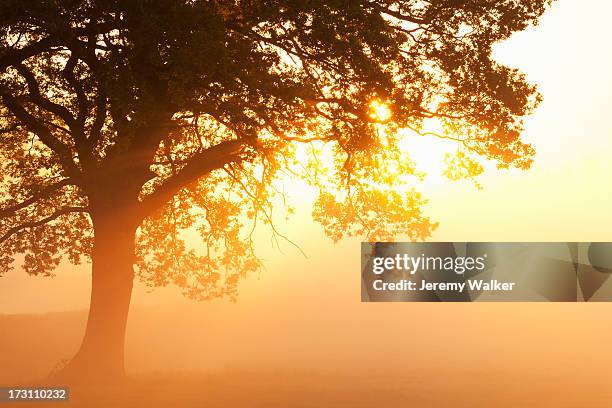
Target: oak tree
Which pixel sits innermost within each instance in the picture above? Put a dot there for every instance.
(126, 123)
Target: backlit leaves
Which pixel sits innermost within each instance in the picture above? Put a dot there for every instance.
(121, 98)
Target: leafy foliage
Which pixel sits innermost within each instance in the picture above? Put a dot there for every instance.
(174, 116)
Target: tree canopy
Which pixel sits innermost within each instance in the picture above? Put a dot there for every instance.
(184, 114)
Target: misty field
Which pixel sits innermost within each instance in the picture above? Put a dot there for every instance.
(176, 362)
(302, 389)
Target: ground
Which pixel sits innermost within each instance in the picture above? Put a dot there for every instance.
(32, 344)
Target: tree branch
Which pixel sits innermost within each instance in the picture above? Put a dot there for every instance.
(44, 192)
(81, 141)
(100, 117)
(397, 14)
(14, 57)
(38, 99)
(68, 73)
(201, 164)
(36, 127)
(46, 220)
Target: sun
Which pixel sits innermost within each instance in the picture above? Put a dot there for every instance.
(427, 152)
(380, 111)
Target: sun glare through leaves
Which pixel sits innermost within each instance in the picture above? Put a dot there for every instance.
(380, 111)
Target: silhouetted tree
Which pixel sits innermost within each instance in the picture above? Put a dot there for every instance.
(125, 123)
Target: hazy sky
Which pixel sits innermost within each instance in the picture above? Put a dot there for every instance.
(567, 194)
(564, 197)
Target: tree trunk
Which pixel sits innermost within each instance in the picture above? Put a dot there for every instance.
(101, 355)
